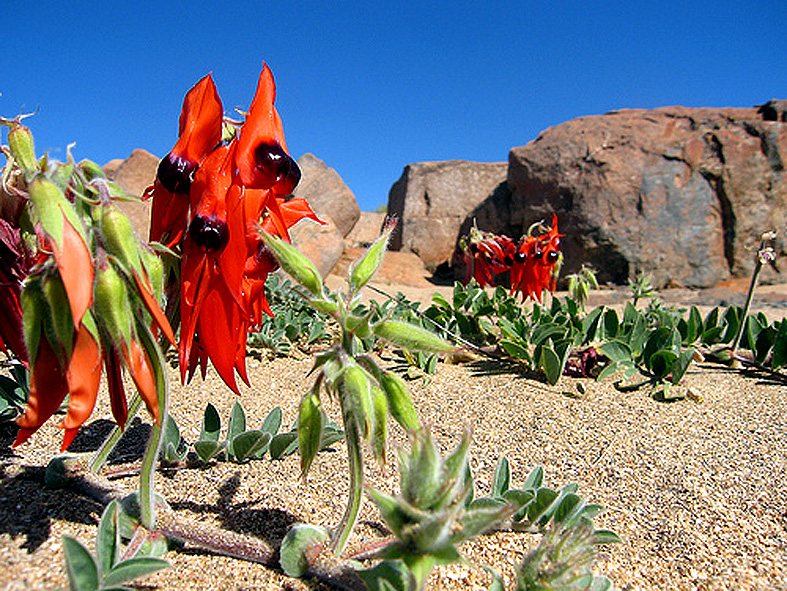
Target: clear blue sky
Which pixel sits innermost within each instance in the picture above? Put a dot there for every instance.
(372, 86)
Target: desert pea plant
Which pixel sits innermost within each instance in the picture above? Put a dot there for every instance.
(366, 393)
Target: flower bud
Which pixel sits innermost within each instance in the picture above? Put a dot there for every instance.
(411, 337)
(119, 238)
(400, 403)
(34, 312)
(309, 429)
(50, 205)
(91, 170)
(295, 263)
(379, 432)
(110, 304)
(362, 271)
(356, 397)
(20, 143)
(60, 313)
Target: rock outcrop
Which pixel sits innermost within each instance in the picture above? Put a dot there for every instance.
(432, 200)
(681, 193)
(327, 193)
(135, 174)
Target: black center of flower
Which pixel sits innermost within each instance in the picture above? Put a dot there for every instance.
(209, 233)
(175, 173)
(552, 256)
(520, 257)
(277, 167)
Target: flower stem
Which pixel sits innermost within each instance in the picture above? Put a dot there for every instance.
(99, 458)
(747, 306)
(350, 517)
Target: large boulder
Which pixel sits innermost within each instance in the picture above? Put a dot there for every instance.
(135, 174)
(433, 199)
(327, 193)
(681, 193)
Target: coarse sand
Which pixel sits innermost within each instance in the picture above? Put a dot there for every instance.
(695, 488)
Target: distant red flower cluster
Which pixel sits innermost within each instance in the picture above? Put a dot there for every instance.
(532, 261)
(212, 193)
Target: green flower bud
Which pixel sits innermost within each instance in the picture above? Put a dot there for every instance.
(293, 262)
(411, 337)
(400, 403)
(119, 238)
(379, 433)
(34, 312)
(60, 313)
(309, 430)
(20, 143)
(110, 304)
(50, 205)
(363, 270)
(356, 396)
(91, 170)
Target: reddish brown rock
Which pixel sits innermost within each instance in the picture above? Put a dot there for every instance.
(432, 201)
(681, 193)
(135, 174)
(327, 193)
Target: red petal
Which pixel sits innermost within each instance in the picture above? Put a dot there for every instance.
(48, 389)
(155, 311)
(76, 270)
(141, 370)
(200, 121)
(117, 391)
(84, 378)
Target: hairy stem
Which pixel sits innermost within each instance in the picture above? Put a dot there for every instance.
(350, 517)
(99, 458)
(747, 306)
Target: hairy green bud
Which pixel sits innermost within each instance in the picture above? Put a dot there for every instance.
(355, 392)
(411, 337)
(363, 270)
(295, 263)
(400, 403)
(20, 143)
(119, 238)
(309, 429)
(110, 304)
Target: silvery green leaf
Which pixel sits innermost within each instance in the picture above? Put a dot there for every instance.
(300, 542)
(248, 443)
(502, 478)
(211, 424)
(81, 567)
(131, 569)
(108, 538)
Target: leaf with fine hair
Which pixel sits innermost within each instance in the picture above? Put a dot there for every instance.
(80, 565)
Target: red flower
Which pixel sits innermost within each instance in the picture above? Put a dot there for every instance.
(199, 133)
(233, 188)
(534, 263)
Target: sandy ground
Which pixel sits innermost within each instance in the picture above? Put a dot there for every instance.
(695, 488)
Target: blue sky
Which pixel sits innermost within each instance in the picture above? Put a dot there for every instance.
(370, 87)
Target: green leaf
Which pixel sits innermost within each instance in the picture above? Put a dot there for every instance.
(611, 323)
(661, 362)
(681, 365)
(605, 536)
(497, 579)
(515, 350)
(534, 479)
(207, 450)
(134, 568)
(309, 429)
(502, 478)
(388, 575)
(81, 567)
(283, 444)
(248, 443)
(780, 346)
(301, 542)
(211, 424)
(108, 538)
(617, 351)
(236, 426)
(550, 363)
(272, 422)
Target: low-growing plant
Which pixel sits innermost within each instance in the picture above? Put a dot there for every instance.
(14, 391)
(114, 562)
